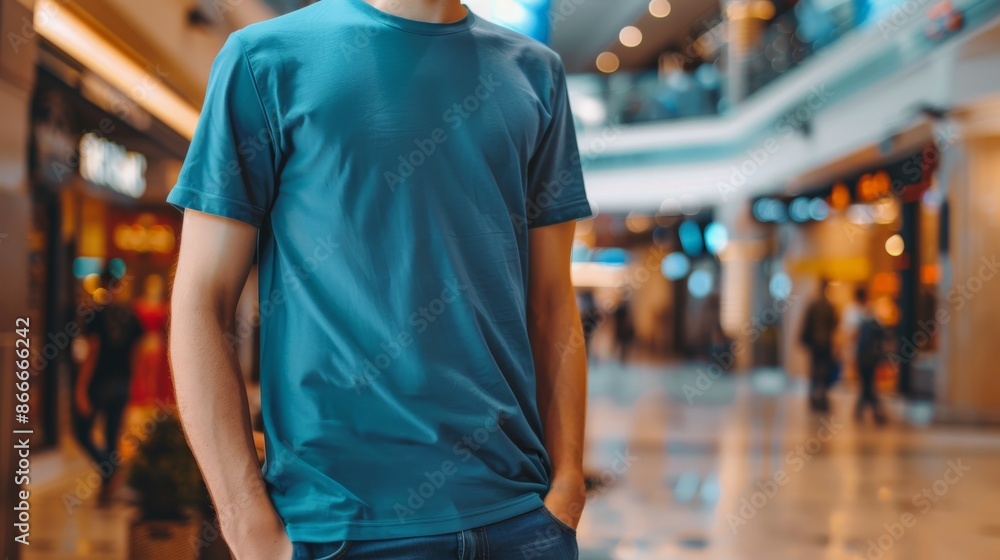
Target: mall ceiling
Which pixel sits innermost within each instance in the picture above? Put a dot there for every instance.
(593, 26)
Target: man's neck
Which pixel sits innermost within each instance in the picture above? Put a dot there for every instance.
(431, 11)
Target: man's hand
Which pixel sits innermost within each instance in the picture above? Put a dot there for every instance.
(260, 536)
(81, 395)
(566, 498)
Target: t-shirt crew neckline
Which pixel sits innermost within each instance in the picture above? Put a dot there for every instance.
(414, 26)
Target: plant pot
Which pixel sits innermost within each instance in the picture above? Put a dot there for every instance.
(163, 540)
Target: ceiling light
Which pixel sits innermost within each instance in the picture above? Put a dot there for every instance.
(608, 62)
(895, 245)
(64, 29)
(630, 36)
(659, 8)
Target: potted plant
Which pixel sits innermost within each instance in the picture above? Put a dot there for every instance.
(170, 496)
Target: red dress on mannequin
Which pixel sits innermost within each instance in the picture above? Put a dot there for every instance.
(151, 383)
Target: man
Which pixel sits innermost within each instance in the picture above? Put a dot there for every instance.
(101, 388)
(409, 177)
(869, 353)
(817, 335)
(847, 333)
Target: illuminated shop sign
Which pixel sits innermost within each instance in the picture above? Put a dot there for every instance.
(110, 165)
(874, 186)
(905, 180)
(143, 237)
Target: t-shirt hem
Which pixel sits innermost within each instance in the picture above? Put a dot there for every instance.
(569, 212)
(182, 197)
(333, 530)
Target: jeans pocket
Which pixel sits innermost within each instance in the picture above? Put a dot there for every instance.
(319, 551)
(562, 525)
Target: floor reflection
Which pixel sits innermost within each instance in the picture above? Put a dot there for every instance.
(736, 468)
(727, 468)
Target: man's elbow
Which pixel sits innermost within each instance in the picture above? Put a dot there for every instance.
(190, 304)
(553, 306)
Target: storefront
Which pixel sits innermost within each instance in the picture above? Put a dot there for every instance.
(100, 232)
(656, 279)
(876, 230)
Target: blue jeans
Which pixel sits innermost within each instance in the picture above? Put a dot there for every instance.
(534, 535)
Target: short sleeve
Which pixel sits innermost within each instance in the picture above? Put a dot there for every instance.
(229, 169)
(556, 191)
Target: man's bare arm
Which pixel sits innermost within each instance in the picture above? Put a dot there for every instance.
(560, 364)
(215, 258)
(82, 388)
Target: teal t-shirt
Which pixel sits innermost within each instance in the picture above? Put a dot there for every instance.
(394, 169)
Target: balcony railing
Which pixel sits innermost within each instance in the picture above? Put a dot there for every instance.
(783, 44)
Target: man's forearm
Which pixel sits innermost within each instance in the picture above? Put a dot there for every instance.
(86, 373)
(213, 405)
(561, 369)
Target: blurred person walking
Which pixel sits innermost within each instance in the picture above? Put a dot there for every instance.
(818, 330)
(412, 202)
(590, 317)
(624, 330)
(101, 389)
(869, 354)
(847, 333)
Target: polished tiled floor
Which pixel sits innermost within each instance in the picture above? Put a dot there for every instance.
(742, 471)
(728, 469)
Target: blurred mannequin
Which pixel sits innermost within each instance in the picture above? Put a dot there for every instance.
(151, 379)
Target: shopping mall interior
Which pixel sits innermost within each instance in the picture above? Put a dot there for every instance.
(762, 174)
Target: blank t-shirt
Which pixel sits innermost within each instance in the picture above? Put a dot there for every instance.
(394, 169)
